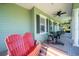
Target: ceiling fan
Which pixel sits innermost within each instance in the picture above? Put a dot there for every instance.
(59, 13)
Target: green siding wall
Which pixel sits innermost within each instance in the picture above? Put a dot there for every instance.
(13, 19)
(40, 37)
(16, 19)
(44, 36)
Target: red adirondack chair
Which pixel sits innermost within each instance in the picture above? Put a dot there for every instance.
(22, 46)
(34, 48)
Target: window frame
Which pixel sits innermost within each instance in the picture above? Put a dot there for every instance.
(42, 24)
(52, 25)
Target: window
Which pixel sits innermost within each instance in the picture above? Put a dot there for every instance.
(40, 24)
(54, 26)
(50, 25)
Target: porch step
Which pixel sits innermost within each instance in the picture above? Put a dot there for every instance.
(51, 51)
(45, 52)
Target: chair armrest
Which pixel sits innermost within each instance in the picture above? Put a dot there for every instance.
(36, 42)
(8, 53)
(35, 51)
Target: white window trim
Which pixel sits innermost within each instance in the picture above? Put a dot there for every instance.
(36, 25)
(52, 23)
(43, 24)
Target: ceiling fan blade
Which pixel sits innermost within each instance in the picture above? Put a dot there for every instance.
(63, 13)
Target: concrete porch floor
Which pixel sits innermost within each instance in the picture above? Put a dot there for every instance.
(68, 48)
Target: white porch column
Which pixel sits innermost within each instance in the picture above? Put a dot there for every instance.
(75, 29)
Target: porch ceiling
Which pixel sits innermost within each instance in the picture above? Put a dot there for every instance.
(49, 8)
